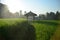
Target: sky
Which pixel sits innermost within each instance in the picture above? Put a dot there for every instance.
(36, 6)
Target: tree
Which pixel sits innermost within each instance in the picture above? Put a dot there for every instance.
(47, 16)
(3, 10)
(52, 15)
(57, 15)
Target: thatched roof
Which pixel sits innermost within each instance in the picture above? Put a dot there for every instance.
(30, 14)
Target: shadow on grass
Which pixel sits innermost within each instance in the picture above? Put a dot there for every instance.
(19, 31)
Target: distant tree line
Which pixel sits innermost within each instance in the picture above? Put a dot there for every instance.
(50, 16)
(54, 16)
(5, 13)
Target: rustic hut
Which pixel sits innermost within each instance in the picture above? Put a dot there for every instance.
(30, 16)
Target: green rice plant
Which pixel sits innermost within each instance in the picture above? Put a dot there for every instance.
(16, 30)
(45, 29)
(20, 29)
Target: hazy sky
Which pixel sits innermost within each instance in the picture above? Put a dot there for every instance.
(36, 6)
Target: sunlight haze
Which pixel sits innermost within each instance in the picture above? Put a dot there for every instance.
(36, 6)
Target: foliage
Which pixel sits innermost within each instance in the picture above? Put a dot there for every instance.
(19, 29)
(16, 29)
(45, 29)
(4, 11)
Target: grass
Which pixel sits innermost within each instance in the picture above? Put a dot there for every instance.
(45, 29)
(11, 21)
(56, 35)
(16, 29)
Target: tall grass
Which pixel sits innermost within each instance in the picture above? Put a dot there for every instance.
(16, 29)
(19, 29)
(11, 21)
(45, 29)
